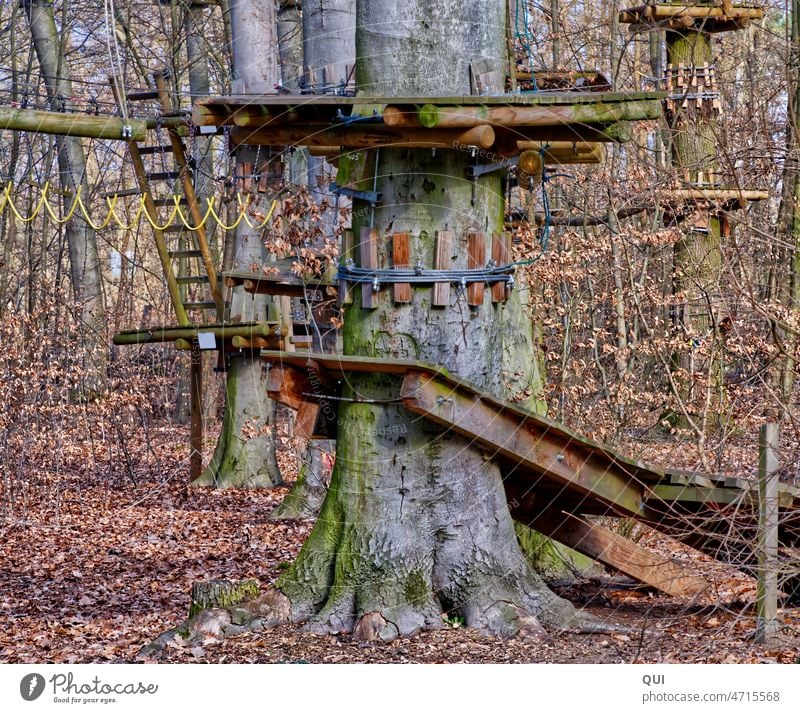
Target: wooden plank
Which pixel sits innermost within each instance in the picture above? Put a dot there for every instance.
(612, 549)
(476, 257)
(368, 252)
(306, 419)
(503, 433)
(767, 623)
(401, 257)
(440, 296)
(501, 254)
(696, 494)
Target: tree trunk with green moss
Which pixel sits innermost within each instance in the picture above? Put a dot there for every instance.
(245, 452)
(697, 261)
(415, 524)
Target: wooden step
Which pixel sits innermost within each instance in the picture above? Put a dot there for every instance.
(144, 95)
(200, 305)
(163, 176)
(169, 202)
(122, 193)
(192, 280)
(175, 254)
(147, 150)
(174, 228)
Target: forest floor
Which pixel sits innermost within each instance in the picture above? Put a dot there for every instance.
(93, 566)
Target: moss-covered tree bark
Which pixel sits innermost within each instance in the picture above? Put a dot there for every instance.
(415, 524)
(697, 262)
(245, 452)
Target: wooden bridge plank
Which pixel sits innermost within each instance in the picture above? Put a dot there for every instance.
(502, 433)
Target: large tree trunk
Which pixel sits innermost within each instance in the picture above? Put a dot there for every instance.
(85, 274)
(329, 49)
(790, 214)
(697, 256)
(245, 452)
(415, 524)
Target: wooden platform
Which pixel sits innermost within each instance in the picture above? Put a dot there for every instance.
(711, 17)
(281, 279)
(499, 122)
(555, 477)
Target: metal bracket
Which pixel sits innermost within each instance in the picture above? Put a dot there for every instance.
(481, 169)
(372, 197)
(127, 131)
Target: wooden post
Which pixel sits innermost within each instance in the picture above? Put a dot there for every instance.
(196, 420)
(767, 624)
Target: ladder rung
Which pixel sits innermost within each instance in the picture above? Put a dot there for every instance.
(168, 202)
(199, 305)
(145, 150)
(122, 193)
(176, 254)
(174, 228)
(192, 280)
(143, 95)
(163, 176)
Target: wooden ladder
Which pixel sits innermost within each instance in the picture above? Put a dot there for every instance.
(185, 256)
(193, 291)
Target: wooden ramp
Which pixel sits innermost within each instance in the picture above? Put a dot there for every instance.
(554, 477)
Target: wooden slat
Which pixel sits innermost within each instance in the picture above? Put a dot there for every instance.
(440, 296)
(196, 414)
(401, 257)
(368, 251)
(612, 549)
(501, 254)
(476, 257)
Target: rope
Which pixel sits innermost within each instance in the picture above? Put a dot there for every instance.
(6, 201)
(525, 37)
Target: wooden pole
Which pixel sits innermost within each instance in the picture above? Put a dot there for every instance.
(767, 623)
(72, 124)
(196, 420)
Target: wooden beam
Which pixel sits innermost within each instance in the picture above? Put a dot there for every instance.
(363, 137)
(622, 554)
(221, 332)
(72, 124)
(453, 117)
(767, 623)
(532, 445)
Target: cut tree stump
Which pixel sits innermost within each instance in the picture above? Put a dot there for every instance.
(221, 593)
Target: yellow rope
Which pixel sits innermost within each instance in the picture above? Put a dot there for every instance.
(6, 201)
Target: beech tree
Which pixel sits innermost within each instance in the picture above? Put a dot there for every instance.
(85, 274)
(415, 523)
(245, 452)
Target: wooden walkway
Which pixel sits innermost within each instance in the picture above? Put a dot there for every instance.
(554, 477)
